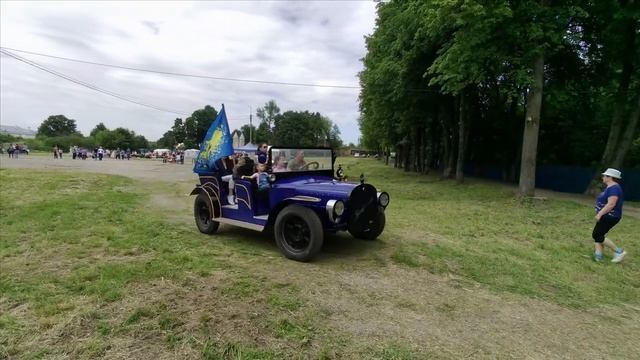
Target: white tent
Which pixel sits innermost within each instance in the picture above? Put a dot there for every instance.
(248, 147)
(158, 152)
(191, 153)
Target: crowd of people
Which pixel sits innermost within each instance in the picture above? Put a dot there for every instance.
(14, 150)
(98, 153)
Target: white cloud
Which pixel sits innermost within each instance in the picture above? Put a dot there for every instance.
(299, 42)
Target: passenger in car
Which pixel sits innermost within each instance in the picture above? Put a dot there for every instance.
(261, 153)
(260, 176)
(244, 167)
(279, 164)
(225, 166)
(298, 162)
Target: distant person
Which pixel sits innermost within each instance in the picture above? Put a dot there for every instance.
(100, 153)
(608, 214)
(260, 176)
(55, 152)
(262, 153)
(298, 162)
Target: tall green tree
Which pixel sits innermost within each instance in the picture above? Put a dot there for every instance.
(614, 28)
(98, 128)
(267, 115)
(179, 131)
(295, 128)
(57, 125)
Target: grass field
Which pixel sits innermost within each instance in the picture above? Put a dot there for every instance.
(95, 265)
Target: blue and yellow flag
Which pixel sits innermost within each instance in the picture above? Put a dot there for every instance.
(216, 145)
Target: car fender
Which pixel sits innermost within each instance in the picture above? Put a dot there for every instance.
(273, 214)
(214, 201)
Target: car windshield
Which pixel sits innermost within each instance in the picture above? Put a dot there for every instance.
(293, 159)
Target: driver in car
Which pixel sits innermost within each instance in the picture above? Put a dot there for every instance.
(297, 163)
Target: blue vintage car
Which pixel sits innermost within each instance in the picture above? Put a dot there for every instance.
(297, 196)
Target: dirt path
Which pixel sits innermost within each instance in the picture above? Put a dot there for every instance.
(141, 169)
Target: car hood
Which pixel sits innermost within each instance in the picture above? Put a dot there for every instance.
(320, 187)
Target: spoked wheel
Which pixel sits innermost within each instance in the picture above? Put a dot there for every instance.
(298, 233)
(203, 214)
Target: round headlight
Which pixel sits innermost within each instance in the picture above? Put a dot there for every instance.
(338, 208)
(272, 178)
(383, 199)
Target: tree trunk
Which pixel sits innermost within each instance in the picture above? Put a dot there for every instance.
(531, 130)
(628, 136)
(446, 150)
(612, 149)
(462, 138)
(449, 138)
(407, 156)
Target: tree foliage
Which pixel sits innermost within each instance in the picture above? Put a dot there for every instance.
(293, 128)
(452, 81)
(57, 125)
(267, 115)
(190, 131)
(62, 133)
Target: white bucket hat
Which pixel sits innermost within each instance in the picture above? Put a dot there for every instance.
(613, 173)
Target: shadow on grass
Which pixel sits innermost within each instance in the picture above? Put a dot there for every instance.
(336, 246)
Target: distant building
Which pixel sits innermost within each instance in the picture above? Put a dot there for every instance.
(17, 131)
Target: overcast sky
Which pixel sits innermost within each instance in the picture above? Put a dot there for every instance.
(280, 41)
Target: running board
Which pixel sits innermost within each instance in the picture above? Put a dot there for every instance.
(242, 224)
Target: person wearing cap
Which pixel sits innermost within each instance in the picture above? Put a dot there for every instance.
(608, 214)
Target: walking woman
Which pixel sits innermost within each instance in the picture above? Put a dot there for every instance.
(608, 214)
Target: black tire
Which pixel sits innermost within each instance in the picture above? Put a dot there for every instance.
(374, 230)
(203, 214)
(298, 232)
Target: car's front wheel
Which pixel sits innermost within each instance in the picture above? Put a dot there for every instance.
(298, 232)
(203, 213)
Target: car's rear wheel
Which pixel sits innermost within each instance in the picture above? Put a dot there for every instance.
(203, 213)
(298, 232)
(374, 229)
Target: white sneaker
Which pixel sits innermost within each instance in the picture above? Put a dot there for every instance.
(618, 257)
(230, 200)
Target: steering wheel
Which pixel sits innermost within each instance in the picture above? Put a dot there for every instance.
(314, 165)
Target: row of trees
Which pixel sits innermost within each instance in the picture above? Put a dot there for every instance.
(445, 82)
(294, 128)
(58, 130)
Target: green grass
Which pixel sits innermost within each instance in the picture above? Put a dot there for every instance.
(536, 248)
(83, 256)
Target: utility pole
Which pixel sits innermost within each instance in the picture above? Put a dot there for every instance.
(250, 125)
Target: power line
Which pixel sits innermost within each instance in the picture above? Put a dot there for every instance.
(184, 75)
(87, 85)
